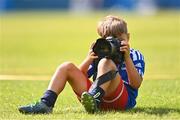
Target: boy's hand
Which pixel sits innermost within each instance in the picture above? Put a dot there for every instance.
(88, 60)
(91, 55)
(126, 49)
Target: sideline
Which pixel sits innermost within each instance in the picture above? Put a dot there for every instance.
(46, 77)
(25, 77)
(161, 77)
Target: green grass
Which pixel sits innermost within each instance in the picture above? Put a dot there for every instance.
(35, 43)
(158, 99)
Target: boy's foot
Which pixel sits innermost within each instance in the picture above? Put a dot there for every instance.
(89, 102)
(36, 108)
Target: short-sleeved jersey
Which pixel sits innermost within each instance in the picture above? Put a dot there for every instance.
(138, 60)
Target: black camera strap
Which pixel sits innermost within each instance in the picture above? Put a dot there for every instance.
(104, 78)
(95, 64)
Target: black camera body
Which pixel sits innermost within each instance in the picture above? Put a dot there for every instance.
(109, 48)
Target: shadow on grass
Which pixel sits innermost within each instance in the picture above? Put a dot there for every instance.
(153, 110)
(159, 111)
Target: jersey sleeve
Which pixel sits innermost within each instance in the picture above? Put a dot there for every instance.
(138, 60)
(90, 71)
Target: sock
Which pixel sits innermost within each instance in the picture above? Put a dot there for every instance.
(97, 93)
(49, 98)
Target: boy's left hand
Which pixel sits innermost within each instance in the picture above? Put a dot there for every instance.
(125, 48)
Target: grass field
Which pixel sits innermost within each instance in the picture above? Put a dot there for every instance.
(157, 100)
(35, 43)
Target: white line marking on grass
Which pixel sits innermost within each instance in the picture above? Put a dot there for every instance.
(25, 77)
(46, 77)
(161, 77)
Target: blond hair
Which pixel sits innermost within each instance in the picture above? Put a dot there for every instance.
(111, 26)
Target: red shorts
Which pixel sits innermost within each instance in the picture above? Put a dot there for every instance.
(117, 100)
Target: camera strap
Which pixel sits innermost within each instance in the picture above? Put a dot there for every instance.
(104, 78)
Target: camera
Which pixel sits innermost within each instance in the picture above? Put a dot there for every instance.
(109, 48)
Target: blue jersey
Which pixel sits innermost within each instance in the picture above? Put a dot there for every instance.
(138, 60)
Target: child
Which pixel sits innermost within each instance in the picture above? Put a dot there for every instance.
(119, 93)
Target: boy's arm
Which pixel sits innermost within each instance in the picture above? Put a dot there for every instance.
(84, 66)
(134, 78)
(133, 75)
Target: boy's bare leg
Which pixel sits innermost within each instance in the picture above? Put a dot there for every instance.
(104, 66)
(68, 72)
(91, 99)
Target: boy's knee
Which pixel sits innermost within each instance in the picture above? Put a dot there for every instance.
(66, 66)
(105, 63)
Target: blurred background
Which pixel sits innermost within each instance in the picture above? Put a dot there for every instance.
(79, 5)
(38, 35)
